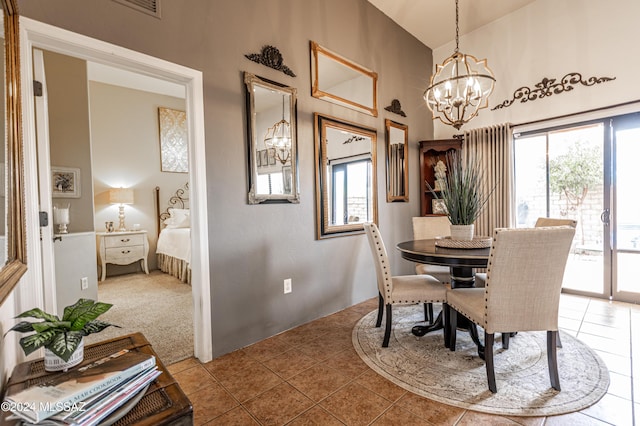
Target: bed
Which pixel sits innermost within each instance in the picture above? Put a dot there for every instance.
(173, 250)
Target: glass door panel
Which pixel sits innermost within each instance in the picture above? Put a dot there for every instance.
(626, 211)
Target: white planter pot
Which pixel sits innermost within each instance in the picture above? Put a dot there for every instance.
(53, 362)
(462, 232)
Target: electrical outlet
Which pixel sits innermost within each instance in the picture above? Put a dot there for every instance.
(287, 286)
(84, 283)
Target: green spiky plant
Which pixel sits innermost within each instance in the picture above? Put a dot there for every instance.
(62, 336)
(462, 189)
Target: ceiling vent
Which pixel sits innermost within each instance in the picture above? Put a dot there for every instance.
(150, 7)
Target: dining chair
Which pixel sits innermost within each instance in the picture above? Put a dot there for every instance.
(481, 277)
(402, 289)
(425, 228)
(522, 292)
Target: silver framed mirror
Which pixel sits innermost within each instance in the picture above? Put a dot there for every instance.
(336, 79)
(346, 186)
(14, 263)
(397, 149)
(272, 141)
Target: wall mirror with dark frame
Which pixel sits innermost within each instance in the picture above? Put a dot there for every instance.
(397, 144)
(272, 141)
(346, 188)
(341, 81)
(13, 232)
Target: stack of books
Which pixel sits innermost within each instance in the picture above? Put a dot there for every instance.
(86, 395)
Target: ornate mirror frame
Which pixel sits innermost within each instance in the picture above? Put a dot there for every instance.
(16, 264)
(397, 141)
(336, 79)
(258, 154)
(355, 144)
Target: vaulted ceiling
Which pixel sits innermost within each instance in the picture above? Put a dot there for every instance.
(433, 22)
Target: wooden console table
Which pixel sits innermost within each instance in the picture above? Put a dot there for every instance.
(164, 403)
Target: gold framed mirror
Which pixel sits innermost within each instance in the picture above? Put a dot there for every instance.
(272, 144)
(397, 144)
(14, 263)
(336, 79)
(346, 187)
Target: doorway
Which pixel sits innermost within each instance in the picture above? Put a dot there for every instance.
(46, 37)
(585, 172)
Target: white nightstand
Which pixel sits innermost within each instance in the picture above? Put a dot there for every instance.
(122, 248)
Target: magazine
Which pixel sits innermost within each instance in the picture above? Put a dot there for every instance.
(70, 390)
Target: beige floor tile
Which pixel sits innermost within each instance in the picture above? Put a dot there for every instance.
(574, 419)
(620, 385)
(612, 409)
(473, 418)
(616, 363)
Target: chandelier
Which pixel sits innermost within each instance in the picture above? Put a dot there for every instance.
(278, 138)
(460, 87)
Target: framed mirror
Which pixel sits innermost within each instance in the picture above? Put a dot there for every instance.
(343, 82)
(397, 136)
(346, 188)
(272, 141)
(13, 232)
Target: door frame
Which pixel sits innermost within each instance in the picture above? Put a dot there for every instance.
(34, 34)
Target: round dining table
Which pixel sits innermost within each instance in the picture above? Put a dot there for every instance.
(462, 263)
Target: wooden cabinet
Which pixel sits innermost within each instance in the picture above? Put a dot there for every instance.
(430, 153)
(122, 248)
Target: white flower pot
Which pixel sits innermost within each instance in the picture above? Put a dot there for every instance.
(462, 232)
(53, 362)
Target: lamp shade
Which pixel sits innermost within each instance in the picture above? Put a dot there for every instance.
(121, 196)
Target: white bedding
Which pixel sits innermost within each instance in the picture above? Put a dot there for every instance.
(175, 242)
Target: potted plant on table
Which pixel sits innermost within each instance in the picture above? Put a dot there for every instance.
(63, 339)
(461, 191)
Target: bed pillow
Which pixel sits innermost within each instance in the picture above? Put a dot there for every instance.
(179, 218)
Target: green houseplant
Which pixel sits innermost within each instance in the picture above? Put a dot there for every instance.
(62, 336)
(461, 191)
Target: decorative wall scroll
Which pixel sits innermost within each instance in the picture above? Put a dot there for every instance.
(174, 152)
(395, 108)
(270, 56)
(549, 86)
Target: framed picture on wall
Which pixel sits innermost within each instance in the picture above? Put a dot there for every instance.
(65, 182)
(174, 152)
(264, 157)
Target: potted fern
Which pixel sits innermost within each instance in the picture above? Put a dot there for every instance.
(63, 339)
(461, 191)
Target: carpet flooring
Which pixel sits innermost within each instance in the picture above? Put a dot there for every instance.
(158, 305)
(424, 366)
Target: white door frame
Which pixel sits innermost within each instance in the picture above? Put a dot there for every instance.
(39, 35)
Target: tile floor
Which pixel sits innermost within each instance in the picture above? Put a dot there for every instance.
(311, 375)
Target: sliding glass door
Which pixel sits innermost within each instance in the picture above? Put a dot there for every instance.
(589, 173)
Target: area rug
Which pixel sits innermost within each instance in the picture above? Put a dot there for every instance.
(424, 366)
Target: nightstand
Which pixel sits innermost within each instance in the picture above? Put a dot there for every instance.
(122, 248)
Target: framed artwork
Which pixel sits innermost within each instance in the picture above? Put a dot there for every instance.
(438, 206)
(174, 150)
(258, 160)
(65, 182)
(286, 179)
(272, 157)
(264, 157)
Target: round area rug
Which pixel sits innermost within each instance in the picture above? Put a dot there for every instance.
(424, 366)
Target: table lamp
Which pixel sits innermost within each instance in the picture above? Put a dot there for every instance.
(121, 196)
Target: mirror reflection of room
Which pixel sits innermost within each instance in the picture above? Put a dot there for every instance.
(3, 169)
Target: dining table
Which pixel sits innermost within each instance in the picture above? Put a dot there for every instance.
(462, 263)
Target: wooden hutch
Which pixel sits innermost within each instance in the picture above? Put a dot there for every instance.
(430, 153)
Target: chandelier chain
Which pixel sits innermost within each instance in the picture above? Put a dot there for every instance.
(457, 27)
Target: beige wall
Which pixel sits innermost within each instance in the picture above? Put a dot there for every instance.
(69, 132)
(126, 153)
(550, 38)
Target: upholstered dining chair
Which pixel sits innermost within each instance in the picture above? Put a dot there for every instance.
(425, 228)
(402, 289)
(481, 277)
(522, 292)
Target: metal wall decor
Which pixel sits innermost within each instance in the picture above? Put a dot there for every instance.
(270, 56)
(549, 86)
(395, 108)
